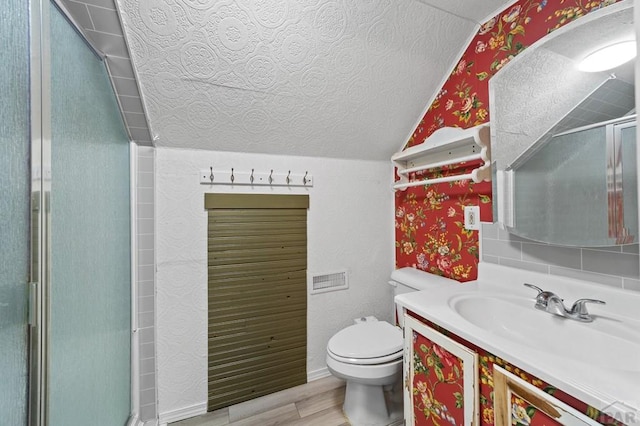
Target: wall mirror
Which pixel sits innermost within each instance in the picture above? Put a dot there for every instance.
(564, 141)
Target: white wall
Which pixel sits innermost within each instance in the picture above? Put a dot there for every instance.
(349, 226)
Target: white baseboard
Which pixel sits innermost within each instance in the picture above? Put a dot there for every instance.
(318, 374)
(182, 413)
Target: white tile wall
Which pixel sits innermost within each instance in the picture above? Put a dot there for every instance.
(617, 266)
(145, 197)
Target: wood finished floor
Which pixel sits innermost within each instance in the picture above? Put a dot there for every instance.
(318, 403)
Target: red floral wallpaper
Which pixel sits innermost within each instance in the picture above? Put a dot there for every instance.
(437, 384)
(428, 220)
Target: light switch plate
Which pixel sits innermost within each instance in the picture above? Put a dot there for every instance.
(472, 217)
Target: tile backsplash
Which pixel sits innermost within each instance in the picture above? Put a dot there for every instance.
(617, 266)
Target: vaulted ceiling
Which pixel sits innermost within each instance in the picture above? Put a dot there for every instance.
(340, 78)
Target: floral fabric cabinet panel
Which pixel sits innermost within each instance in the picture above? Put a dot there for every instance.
(440, 378)
(518, 403)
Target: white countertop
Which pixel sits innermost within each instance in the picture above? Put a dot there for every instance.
(597, 378)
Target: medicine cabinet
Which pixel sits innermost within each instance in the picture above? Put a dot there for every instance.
(564, 141)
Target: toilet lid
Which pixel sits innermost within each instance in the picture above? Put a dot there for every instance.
(367, 340)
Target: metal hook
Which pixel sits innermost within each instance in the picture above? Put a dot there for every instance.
(288, 177)
(251, 177)
(304, 179)
(232, 176)
(271, 177)
(211, 175)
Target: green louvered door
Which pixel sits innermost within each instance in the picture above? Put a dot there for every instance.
(257, 250)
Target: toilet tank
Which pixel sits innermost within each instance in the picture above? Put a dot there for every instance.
(406, 280)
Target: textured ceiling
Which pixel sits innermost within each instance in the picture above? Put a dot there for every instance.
(343, 78)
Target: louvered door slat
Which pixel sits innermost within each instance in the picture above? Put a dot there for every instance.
(264, 385)
(272, 229)
(248, 279)
(243, 290)
(255, 378)
(249, 256)
(265, 311)
(255, 242)
(234, 326)
(219, 371)
(274, 266)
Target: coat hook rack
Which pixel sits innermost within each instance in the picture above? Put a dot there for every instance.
(255, 177)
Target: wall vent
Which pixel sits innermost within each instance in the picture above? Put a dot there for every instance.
(329, 282)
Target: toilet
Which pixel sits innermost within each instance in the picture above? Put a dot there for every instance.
(368, 356)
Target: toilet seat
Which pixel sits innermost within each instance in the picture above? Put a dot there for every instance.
(367, 344)
(367, 361)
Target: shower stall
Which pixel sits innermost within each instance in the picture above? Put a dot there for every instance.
(65, 267)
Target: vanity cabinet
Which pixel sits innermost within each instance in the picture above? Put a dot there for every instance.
(450, 381)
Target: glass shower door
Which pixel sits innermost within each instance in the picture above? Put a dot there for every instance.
(14, 211)
(90, 305)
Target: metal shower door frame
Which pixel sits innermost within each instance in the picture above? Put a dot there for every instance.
(40, 235)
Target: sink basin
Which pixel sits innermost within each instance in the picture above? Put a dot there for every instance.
(605, 342)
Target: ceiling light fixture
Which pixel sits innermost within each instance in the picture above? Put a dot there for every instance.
(609, 57)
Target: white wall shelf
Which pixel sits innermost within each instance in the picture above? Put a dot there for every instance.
(446, 146)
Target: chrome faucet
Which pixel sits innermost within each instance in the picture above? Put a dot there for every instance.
(550, 302)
